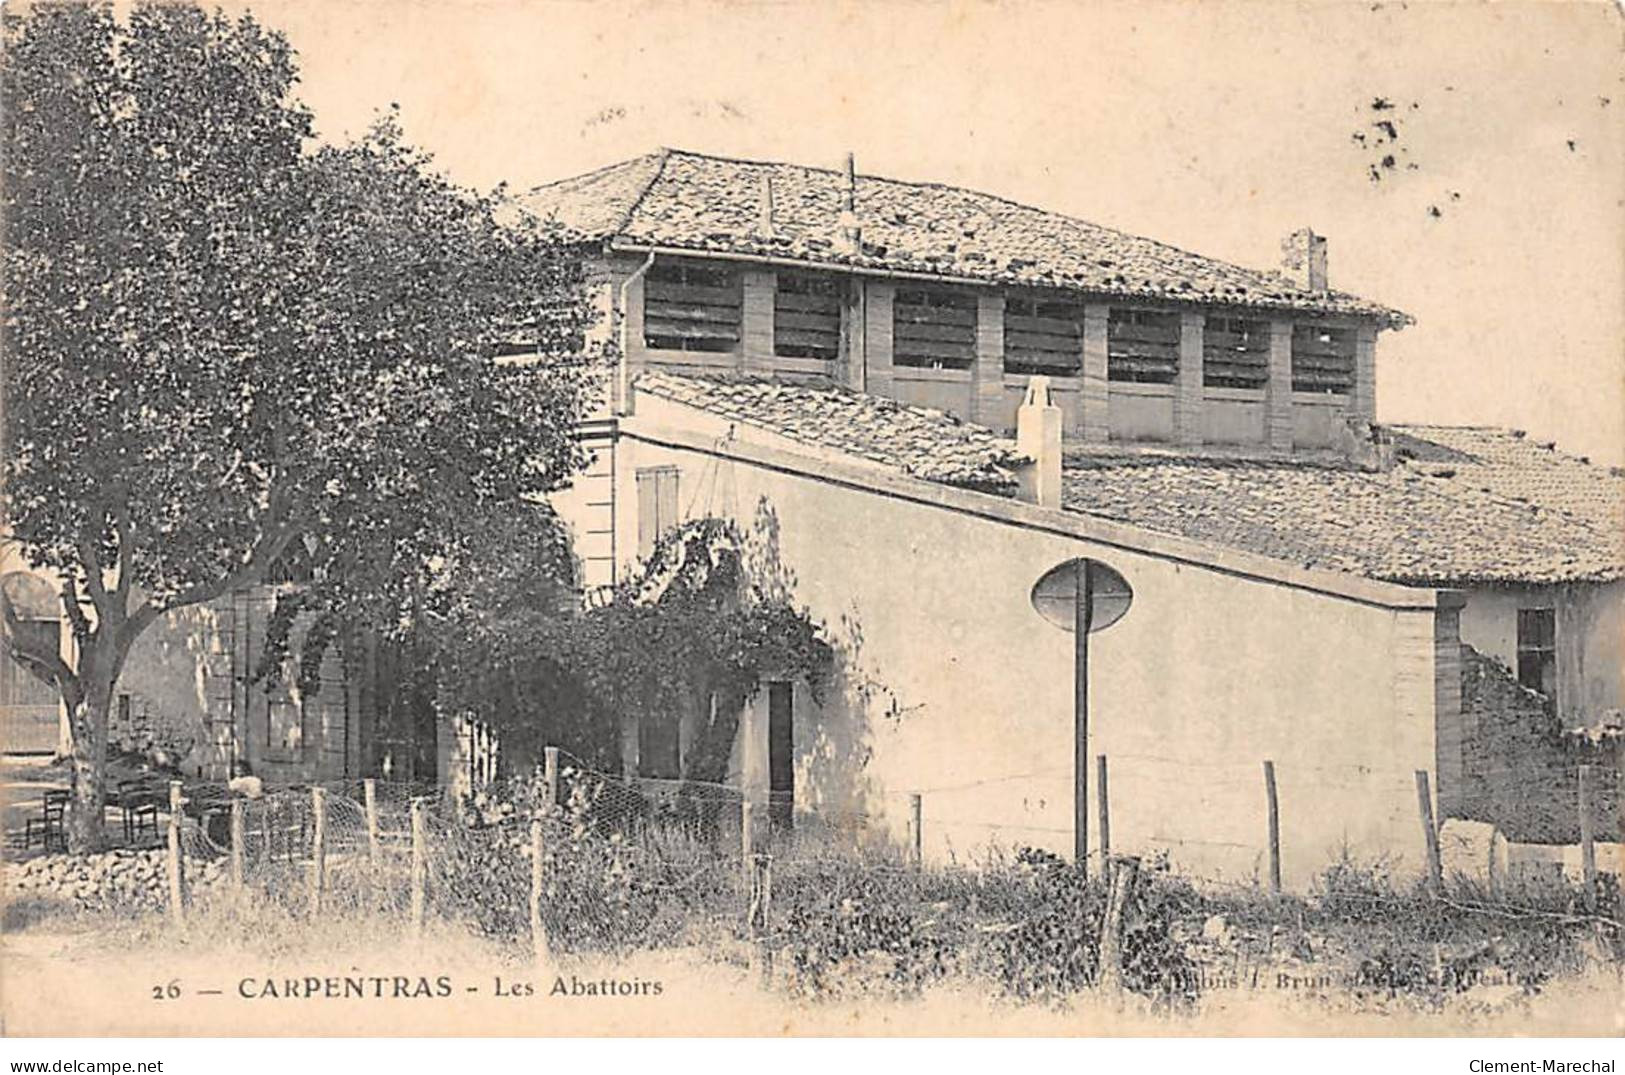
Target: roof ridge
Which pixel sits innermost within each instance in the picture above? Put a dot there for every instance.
(1549, 445)
(602, 169)
(664, 153)
(1513, 430)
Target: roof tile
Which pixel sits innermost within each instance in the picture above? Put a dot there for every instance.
(691, 201)
(926, 443)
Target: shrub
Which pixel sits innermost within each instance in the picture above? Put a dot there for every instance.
(852, 926)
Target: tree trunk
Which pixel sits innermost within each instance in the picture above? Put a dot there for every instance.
(84, 823)
(100, 661)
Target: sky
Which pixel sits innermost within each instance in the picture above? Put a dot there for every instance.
(1499, 223)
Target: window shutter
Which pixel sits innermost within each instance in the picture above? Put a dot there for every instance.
(657, 506)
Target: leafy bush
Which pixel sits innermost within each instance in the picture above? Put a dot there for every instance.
(854, 926)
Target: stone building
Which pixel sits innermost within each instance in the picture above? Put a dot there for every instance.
(847, 357)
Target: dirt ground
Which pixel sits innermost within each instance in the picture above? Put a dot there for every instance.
(65, 983)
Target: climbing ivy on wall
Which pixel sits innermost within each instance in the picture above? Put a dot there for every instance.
(691, 624)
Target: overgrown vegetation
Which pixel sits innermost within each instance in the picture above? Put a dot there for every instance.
(846, 923)
(694, 631)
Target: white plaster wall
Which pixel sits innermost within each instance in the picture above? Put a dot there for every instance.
(951, 685)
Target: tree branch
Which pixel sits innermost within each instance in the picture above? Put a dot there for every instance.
(50, 660)
(94, 586)
(268, 550)
(123, 526)
(76, 615)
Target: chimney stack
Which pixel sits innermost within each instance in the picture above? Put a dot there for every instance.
(851, 234)
(1303, 256)
(764, 206)
(1038, 437)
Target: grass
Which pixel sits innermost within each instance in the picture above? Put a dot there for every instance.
(866, 926)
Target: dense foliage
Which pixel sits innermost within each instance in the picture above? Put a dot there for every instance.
(228, 349)
(691, 625)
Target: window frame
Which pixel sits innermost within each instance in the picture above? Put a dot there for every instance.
(1537, 657)
(1331, 368)
(1043, 352)
(952, 335)
(808, 288)
(1135, 360)
(702, 305)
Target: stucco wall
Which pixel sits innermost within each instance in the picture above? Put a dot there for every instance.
(189, 688)
(951, 685)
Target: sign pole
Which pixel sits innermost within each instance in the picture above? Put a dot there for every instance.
(1083, 615)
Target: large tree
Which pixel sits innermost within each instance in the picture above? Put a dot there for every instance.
(224, 345)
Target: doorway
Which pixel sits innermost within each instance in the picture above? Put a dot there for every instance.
(781, 769)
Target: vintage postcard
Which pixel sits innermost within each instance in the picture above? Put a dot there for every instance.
(724, 518)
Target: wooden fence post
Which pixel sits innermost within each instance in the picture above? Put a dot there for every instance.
(237, 843)
(916, 808)
(1123, 871)
(420, 865)
(1274, 827)
(550, 776)
(177, 878)
(538, 932)
(1424, 803)
(1103, 801)
(1588, 845)
(757, 910)
(318, 847)
(369, 799)
(268, 837)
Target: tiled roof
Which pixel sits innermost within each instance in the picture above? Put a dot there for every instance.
(691, 201)
(1512, 465)
(1454, 505)
(928, 444)
(1420, 521)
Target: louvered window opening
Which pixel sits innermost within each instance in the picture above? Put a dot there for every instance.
(1235, 353)
(807, 316)
(691, 308)
(1142, 346)
(1043, 337)
(1322, 359)
(934, 329)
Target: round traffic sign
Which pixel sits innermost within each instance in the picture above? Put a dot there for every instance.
(1055, 594)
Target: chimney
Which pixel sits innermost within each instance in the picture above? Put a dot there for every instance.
(1303, 256)
(764, 207)
(851, 234)
(1038, 437)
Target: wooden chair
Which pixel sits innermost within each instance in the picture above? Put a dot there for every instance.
(51, 824)
(138, 800)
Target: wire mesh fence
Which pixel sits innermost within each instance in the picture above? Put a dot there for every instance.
(573, 859)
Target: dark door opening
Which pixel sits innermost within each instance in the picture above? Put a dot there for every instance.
(781, 770)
